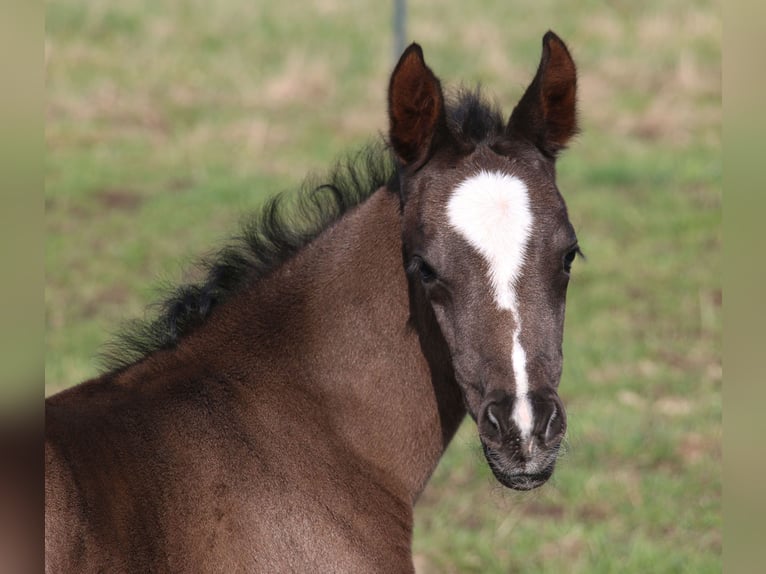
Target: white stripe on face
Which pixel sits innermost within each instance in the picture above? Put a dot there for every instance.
(491, 211)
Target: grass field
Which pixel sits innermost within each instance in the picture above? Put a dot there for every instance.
(167, 121)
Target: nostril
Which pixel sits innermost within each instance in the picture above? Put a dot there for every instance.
(555, 426)
(492, 422)
(549, 432)
(493, 419)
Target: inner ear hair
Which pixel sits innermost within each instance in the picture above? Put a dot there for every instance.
(415, 107)
(546, 115)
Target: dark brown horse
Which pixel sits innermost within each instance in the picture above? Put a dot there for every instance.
(285, 414)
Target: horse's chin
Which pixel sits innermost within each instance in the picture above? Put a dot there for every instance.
(517, 480)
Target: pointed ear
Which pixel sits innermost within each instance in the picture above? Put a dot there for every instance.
(415, 107)
(546, 115)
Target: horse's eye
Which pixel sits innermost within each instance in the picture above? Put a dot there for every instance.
(569, 258)
(423, 270)
(426, 273)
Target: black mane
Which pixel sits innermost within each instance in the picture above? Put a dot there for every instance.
(473, 119)
(281, 228)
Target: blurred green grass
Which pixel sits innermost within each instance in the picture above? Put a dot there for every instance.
(167, 121)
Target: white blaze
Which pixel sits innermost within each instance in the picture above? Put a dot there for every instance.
(491, 211)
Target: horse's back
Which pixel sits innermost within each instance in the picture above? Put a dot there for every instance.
(78, 492)
(180, 480)
(67, 547)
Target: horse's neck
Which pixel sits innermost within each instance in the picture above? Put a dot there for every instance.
(385, 384)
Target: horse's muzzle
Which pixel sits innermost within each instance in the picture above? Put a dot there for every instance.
(517, 480)
(522, 458)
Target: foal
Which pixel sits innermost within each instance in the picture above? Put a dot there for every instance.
(285, 414)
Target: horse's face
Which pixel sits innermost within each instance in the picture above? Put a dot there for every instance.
(491, 251)
(488, 244)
